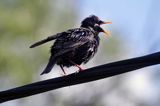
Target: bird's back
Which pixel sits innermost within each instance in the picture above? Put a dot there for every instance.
(78, 45)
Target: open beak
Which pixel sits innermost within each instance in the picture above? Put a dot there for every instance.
(106, 32)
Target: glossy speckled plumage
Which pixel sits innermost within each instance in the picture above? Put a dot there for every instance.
(78, 45)
(75, 46)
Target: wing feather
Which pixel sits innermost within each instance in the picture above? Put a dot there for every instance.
(72, 40)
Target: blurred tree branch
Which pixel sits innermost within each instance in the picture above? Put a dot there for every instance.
(92, 74)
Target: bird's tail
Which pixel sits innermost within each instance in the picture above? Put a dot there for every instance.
(49, 66)
(50, 38)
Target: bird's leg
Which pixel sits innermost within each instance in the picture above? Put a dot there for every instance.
(63, 69)
(80, 68)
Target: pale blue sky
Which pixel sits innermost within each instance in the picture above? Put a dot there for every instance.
(129, 17)
(138, 23)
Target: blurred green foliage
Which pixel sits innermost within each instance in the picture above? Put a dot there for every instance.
(23, 22)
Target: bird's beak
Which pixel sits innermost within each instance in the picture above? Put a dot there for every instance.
(106, 32)
(106, 23)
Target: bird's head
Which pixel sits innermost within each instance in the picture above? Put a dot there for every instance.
(93, 22)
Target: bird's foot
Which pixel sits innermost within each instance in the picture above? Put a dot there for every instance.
(80, 68)
(63, 74)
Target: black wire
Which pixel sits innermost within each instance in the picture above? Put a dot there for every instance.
(92, 74)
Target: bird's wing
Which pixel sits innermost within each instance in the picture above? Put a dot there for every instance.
(74, 38)
(53, 37)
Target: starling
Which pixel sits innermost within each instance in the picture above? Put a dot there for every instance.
(74, 46)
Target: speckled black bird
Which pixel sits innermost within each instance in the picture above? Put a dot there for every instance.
(74, 46)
